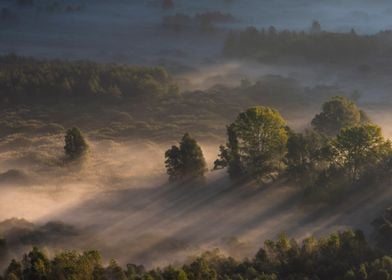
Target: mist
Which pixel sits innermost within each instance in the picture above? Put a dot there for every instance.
(118, 200)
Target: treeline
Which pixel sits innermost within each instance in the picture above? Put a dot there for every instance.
(343, 255)
(316, 45)
(27, 80)
(342, 152)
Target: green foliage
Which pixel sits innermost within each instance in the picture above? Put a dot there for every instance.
(356, 148)
(256, 144)
(338, 113)
(75, 144)
(383, 231)
(36, 265)
(171, 273)
(73, 266)
(357, 158)
(342, 255)
(185, 162)
(304, 156)
(26, 80)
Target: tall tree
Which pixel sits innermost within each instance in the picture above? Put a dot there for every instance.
(75, 144)
(186, 161)
(256, 143)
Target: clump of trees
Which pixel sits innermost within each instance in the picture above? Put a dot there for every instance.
(342, 151)
(342, 255)
(27, 80)
(186, 161)
(256, 144)
(75, 144)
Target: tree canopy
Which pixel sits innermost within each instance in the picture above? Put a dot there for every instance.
(338, 113)
(341, 255)
(24, 80)
(358, 147)
(256, 143)
(186, 161)
(305, 154)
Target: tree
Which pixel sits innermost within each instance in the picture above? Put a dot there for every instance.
(36, 265)
(186, 161)
(256, 144)
(75, 144)
(114, 271)
(14, 270)
(304, 153)
(338, 113)
(358, 147)
(200, 269)
(171, 273)
(230, 156)
(74, 265)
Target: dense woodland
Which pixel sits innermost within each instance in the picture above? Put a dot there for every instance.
(342, 255)
(313, 46)
(27, 80)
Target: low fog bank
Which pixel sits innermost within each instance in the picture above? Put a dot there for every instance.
(118, 201)
(36, 174)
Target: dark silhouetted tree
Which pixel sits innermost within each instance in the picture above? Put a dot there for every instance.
(186, 161)
(75, 144)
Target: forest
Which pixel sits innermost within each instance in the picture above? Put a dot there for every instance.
(314, 45)
(25, 79)
(342, 255)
